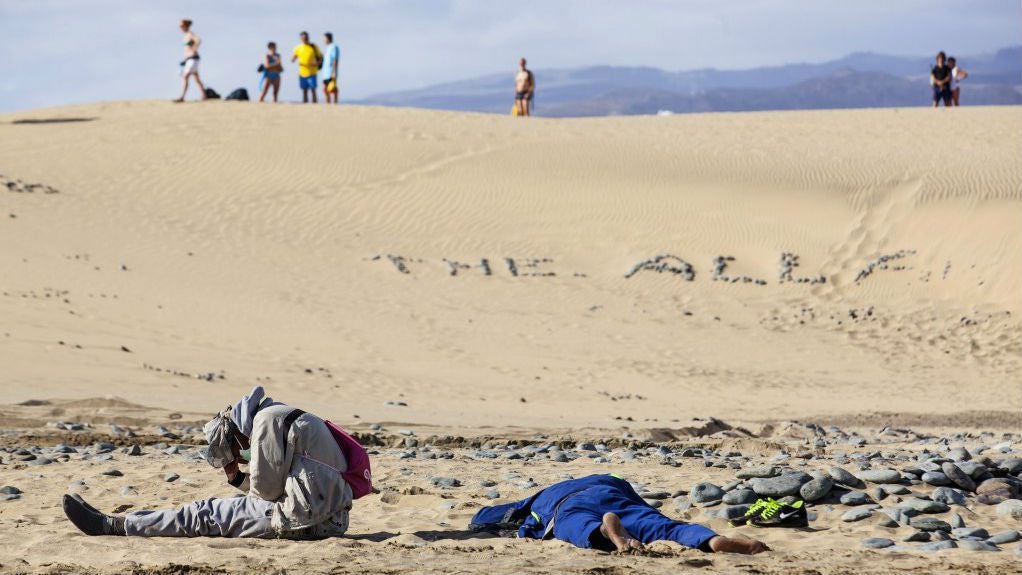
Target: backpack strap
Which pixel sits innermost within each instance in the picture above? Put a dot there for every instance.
(289, 421)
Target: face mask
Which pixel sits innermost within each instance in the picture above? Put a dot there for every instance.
(246, 454)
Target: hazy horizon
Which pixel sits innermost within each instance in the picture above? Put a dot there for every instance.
(64, 51)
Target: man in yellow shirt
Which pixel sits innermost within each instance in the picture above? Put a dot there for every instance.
(309, 59)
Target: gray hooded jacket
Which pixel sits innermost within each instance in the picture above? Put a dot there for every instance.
(298, 468)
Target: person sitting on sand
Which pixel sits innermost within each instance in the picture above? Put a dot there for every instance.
(957, 75)
(601, 512)
(190, 65)
(272, 68)
(940, 78)
(525, 89)
(294, 485)
(309, 58)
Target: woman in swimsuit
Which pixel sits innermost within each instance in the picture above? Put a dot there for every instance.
(272, 68)
(190, 65)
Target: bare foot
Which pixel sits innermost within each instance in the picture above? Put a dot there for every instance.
(721, 544)
(618, 535)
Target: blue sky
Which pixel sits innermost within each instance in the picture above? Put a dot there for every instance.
(56, 52)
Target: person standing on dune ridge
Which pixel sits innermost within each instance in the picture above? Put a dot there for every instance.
(309, 59)
(525, 89)
(957, 75)
(331, 58)
(190, 65)
(940, 78)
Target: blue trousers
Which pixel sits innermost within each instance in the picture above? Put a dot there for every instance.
(579, 518)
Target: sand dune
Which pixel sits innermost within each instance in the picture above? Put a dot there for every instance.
(509, 277)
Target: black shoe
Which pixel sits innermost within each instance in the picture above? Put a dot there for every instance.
(89, 519)
(782, 515)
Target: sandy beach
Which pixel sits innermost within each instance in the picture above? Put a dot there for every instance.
(674, 299)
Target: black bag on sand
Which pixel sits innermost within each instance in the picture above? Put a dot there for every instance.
(240, 94)
(211, 94)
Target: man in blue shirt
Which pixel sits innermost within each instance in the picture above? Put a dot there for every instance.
(331, 57)
(602, 512)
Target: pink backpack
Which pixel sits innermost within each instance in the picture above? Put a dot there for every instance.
(359, 476)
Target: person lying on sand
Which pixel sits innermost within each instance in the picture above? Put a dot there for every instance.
(601, 512)
(294, 485)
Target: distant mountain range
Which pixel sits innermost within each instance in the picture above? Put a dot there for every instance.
(862, 80)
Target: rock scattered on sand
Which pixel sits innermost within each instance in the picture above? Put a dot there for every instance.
(704, 492)
(976, 545)
(855, 498)
(762, 471)
(923, 505)
(937, 546)
(171, 477)
(879, 475)
(739, 497)
(816, 489)
(957, 476)
(112, 473)
(926, 523)
(780, 486)
(1004, 537)
(876, 543)
(1011, 508)
(995, 490)
(857, 514)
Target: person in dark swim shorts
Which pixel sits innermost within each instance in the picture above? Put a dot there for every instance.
(940, 78)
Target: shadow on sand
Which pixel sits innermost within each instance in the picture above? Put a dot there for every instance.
(52, 120)
(453, 534)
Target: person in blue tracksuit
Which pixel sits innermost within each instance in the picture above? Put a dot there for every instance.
(601, 512)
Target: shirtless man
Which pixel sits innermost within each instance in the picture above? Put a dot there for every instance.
(525, 88)
(190, 65)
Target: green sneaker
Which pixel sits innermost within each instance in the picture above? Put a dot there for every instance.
(771, 513)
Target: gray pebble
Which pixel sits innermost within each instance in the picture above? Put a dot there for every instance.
(959, 454)
(128, 490)
(876, 543)
(1004, 537)
(962, 532)
(855, 498)
(492, 494)
(445, 482)
(957, 476)
(917, 536)
(923, 505)
(780, 486)
(856, 514)
(134, 450)
(977, 546)
(879, 475)
(816, 489)
(171, 477)
(938, 545)
(956, 521)
(935, 478)
(703, 492)
(948, 495)
(10, 490)
(1011, 508)
(682, 503)
(41, 461)
(926, 523)
(740, 496)
(761, 471)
